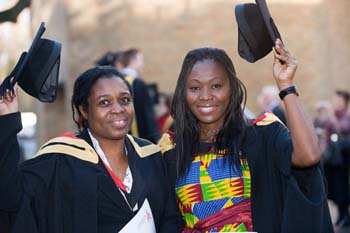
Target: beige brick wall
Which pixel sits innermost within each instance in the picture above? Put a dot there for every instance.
(317, 32)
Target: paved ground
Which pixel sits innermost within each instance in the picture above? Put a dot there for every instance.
(334, 215)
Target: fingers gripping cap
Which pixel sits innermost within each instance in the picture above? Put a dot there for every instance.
(37, 70)
(257, 31)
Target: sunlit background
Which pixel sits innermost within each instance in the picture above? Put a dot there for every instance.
(317, 32)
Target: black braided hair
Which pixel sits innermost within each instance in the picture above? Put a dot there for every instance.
(82, 89)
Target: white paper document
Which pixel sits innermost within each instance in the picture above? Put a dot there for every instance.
(142, 222)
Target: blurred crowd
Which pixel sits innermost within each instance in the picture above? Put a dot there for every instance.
(332, 123)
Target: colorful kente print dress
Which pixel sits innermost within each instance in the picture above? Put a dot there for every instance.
(212, 184)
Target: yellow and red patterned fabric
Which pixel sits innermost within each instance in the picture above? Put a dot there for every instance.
(212, 184)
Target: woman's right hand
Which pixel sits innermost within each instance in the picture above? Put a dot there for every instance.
(9, 103)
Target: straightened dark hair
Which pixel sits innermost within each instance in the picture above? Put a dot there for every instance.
(187, 130)
(82, 90)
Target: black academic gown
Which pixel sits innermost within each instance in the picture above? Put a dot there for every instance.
(61, 193)
(283, 199)
(144, 112)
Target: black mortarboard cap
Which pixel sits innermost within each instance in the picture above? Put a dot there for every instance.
(37, 70)
(257, 31)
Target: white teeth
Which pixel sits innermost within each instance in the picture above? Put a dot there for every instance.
(119, 123)
(206, 109)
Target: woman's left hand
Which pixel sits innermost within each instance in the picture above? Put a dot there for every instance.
(283, 73)
(9, 102)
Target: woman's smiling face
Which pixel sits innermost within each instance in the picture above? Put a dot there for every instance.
(110, 109)
(208, 93)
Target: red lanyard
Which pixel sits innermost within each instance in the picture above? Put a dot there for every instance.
(114, 177)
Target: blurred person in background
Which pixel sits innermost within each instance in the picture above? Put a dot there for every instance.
(133, 62)
(323, 108)
(164, 119)
(248, 113)
(95, 181)
(111, 59)
(145, 125)
(334, 121)
(268, 100)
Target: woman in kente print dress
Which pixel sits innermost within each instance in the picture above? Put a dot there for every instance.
(233, 175)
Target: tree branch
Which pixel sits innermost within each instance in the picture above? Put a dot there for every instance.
(11, 14)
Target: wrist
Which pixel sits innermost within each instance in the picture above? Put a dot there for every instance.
(288, 90)
(5, 111)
